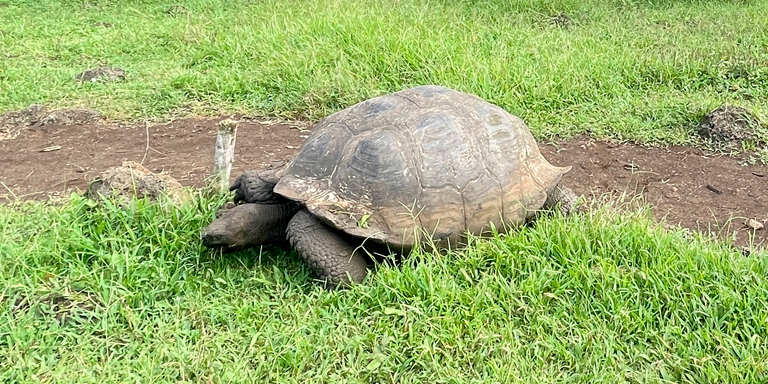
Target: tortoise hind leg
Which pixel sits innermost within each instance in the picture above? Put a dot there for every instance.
(334, 260)
(563, 199)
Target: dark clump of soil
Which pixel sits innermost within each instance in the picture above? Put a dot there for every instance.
(732, 127)
(176, 10)
(561, 20)
(686, 185)
(133, 179)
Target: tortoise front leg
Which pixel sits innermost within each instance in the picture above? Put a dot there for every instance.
(256, 187)
(334, 260)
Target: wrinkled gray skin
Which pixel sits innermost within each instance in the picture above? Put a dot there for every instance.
(382, 170)
(248, 225)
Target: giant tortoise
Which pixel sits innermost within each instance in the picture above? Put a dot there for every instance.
(425, 165)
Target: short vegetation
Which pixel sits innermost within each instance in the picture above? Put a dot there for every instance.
(111, 294)
(102, 293)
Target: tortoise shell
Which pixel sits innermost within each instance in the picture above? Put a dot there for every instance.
(419, 164)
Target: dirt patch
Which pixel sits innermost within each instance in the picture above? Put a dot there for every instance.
(55, 159)
(699, 190)
(686, 185)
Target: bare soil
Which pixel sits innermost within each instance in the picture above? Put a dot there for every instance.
(685, 185)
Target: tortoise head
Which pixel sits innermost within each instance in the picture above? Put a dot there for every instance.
(247, 225)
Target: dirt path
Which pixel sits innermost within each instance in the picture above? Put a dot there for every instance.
(684, 184)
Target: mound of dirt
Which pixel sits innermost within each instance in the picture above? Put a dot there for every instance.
(12, 123)
(70, 116)
(36, 115)
(731, 127)
(27, 116)
(133, 179)
(101, 74)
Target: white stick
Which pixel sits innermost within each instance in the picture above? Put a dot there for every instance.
(225, 153)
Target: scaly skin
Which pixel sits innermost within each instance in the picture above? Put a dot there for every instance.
(334, 260)
(563, 199)
(256, 187)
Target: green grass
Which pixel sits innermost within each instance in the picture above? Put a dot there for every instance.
(105, 294)
(641, 70)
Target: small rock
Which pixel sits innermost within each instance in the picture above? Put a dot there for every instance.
(101, 74)
(132, 179)
(671, 193)
(754, 224)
